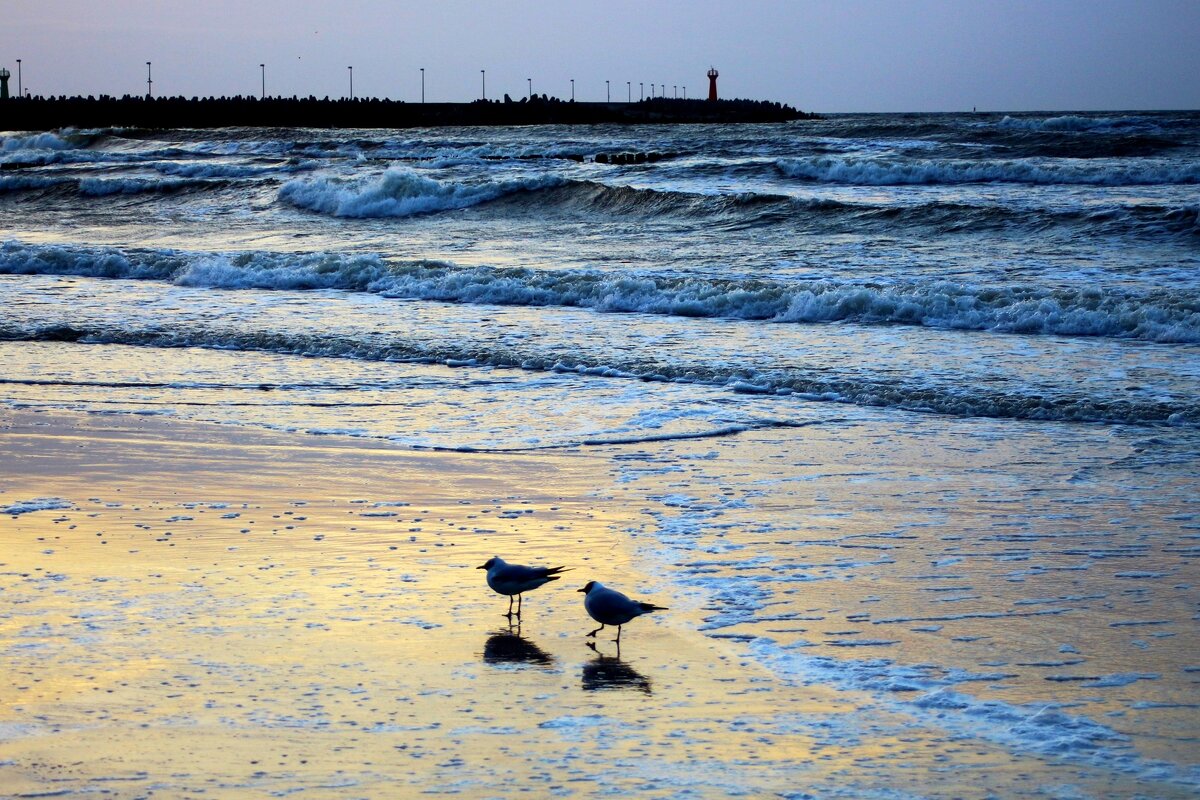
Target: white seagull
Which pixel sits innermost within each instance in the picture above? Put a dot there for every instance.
(514, 579)
(610, 607)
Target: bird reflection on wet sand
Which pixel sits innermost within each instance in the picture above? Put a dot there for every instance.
(610, 672)
(508, 646)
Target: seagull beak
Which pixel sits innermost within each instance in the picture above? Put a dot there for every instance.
(581, 590)
(482, 566)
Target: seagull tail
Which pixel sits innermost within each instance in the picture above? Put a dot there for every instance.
(556, 570)
(648, 607)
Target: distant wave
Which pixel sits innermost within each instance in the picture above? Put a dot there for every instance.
(591, 197)
(752, 209)
(103, 187)
(24, 183)
(36, 141)
(821, 385)
(871, 171)
(48, 149)
(1158, 315)
(204, 169)
(1072, 122)
(398, 192)
(552, 197)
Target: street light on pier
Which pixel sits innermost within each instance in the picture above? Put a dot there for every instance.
(149, 83)
(607, 93)
(530, 82)
(483, 82)
(641, 91)
(263, 67)
(652, 91)
(572, 90)
(351, 82)
(628, 91)
(20, 90)
(676, 88)
(422, 84)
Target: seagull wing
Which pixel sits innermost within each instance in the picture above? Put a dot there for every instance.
(519, 573)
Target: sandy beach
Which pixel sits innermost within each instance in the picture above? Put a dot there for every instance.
(174, 631)
(172, 628)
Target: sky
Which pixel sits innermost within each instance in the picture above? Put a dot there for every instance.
(818, 55)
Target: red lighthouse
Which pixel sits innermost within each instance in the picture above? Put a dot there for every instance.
(712, 83)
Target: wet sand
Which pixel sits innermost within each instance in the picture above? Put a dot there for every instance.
(232, 613)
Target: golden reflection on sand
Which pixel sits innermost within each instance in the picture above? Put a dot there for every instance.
(252, 614)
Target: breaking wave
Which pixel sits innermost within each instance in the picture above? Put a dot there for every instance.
(398, 192)
(36, 141)
(1072, 123)
(103, 187)
(1150, 315)
(872, 171)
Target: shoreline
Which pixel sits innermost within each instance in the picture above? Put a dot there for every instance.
(252, 613)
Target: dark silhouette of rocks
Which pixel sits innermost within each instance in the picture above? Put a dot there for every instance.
(632, 158)
(44, 113)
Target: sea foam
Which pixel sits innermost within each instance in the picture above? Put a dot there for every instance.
(878, 171)
(1093, 311)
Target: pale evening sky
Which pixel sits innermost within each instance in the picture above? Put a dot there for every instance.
(819, 55)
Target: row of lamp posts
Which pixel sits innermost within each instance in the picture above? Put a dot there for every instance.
(482, 79)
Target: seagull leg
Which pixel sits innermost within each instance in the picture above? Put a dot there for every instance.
(509, 614)
(618, 639)
(518, 605)
(593, 633)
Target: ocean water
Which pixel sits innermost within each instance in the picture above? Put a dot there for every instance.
(911, 402)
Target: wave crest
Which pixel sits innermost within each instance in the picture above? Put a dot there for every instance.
(819, 385)
(1070, 123)
(36, 141)
(871, 171)
(1115, 312)
(398, 192)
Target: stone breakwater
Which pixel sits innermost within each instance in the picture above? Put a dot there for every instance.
(45, 113)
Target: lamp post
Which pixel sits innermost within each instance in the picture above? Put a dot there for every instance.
(20, 90)
(263, 67)
(149, 83)
(641, 91)
(422, 84)
(685, 93)
(607, 93)
(351, 82)
(652, 91)
(530, 82)
(483, 82)
(572, 90)
(628, 91)
(676, 88)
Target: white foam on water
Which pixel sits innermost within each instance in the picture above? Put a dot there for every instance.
(890, 171)
(398, 192)
(36, 504)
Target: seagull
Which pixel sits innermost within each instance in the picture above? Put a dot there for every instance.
(513, 579)
(610, 607)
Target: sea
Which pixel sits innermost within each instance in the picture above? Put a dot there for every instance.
(909, 404)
